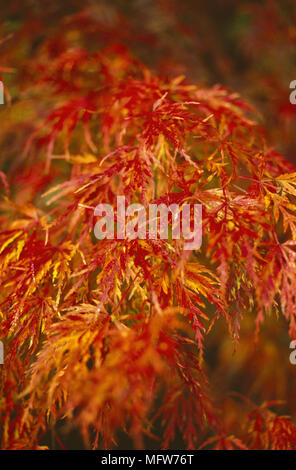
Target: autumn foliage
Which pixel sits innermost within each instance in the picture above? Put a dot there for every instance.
(137, 336)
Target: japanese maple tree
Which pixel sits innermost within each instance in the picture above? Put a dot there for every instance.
(113, 336)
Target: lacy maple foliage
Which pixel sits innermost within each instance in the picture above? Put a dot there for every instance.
(110, 335)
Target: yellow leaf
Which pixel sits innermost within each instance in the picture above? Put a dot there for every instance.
(10, 240)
